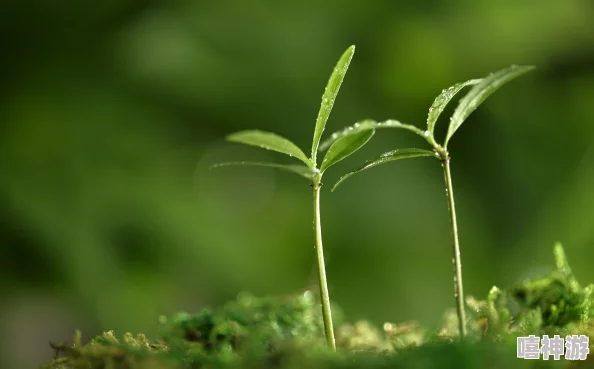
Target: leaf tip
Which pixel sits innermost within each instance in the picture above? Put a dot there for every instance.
(231, 137)
(335, 185)
(350, 51)
(523, 68)
(340, 180)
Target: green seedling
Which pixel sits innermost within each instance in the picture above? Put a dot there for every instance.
(481, 89)
(338, 150)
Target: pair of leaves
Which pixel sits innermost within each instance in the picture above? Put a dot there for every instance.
(481, 90)
(339, 149)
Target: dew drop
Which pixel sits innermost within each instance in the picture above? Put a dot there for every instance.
(334, 135)
(426, 133)
(356, 125)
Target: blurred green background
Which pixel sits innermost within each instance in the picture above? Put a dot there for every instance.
(111, 113)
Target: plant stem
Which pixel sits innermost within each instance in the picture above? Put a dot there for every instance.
(458, 291)
(326, 312)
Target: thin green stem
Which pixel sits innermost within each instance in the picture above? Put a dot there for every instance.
(458, 291)
(326, 312)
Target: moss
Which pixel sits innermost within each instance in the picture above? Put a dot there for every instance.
(558, 297)
(287, 332)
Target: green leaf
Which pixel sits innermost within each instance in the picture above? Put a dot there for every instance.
(480, 92)
(366, 125)
(442, 100)
(302, 170)
(329, 96)
(345, 146)
(269, 141)
(387, 157)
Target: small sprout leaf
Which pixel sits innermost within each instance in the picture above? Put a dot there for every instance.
(269, 141)
(366, 125)
(480, 92)
(329, 97)
(442, 100)
(302, 170)
(561, 259)
(345, 146)
(387, 157)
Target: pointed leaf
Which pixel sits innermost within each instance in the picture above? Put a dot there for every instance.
(345, 146)
(366, 125)
(480, 92)
(302, 170)
(387, 157)
(329, 96)
(269, 141)
(442, 100)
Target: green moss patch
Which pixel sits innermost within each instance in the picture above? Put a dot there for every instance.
(287, 332)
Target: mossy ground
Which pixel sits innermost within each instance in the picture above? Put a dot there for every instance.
(287, 332)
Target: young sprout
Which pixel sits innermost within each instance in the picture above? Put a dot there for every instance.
(338, 150)
(482, 88)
